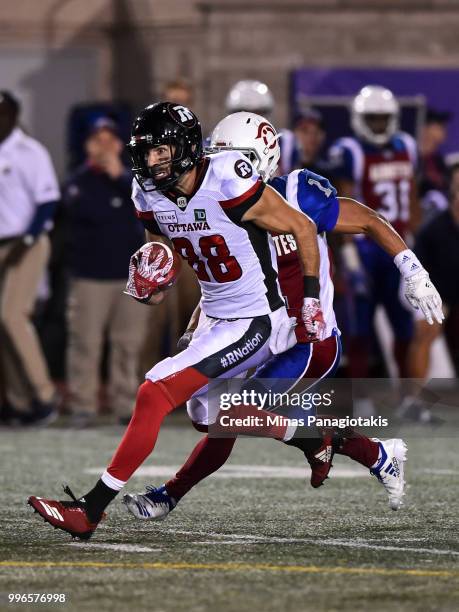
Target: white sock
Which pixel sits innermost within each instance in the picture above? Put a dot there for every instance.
(111, 482)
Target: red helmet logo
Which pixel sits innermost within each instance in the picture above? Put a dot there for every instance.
(267, 133)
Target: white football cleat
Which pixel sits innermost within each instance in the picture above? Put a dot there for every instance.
(390, 469)
(154, 505)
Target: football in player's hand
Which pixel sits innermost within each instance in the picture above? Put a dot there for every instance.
(154, 267)
(162, 264)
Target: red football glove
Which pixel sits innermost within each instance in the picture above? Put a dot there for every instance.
(148, 276)
(313, 318)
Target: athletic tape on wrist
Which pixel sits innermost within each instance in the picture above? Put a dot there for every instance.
(311, 286)
(408, 263)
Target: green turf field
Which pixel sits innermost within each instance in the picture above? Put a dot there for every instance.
(236, 543)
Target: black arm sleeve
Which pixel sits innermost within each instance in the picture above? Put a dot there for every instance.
(151, 226)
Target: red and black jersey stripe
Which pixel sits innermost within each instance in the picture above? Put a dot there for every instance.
(237, 207)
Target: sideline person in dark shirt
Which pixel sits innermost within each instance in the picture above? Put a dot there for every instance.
(103, 234)
(433, 173)
(437, 246)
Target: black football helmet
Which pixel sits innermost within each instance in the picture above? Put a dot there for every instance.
(165, 123)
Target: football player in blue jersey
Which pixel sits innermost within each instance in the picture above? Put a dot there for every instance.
(255, 137)
(377, 166)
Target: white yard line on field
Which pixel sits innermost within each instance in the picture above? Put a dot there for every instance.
(129, 548)
(241, 539)
(438, 472)
(244, 471)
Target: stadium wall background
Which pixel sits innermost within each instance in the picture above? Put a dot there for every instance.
(55, 53)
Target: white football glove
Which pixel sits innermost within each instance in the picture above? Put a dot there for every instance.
(421, 294)
(313, 318)
(418, 288)
(283, 335)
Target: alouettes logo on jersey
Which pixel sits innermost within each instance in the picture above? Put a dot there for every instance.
(267, 133)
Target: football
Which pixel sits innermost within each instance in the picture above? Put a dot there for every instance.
(157, 267)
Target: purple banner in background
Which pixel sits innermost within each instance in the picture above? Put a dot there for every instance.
(440, 88)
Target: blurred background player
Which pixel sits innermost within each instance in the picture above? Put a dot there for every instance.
(377, 166)
(309, 131)
(180, 91)
(256, 97)
(103, 233)
(433, 171)
(437, 246)
(29, 194)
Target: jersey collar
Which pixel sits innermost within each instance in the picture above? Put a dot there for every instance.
(12, 140)
(176, 196)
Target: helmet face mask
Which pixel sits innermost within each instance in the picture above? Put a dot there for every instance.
(251, 154)
(164, 156)
(375, 114)
(252, 135)
(164, 124)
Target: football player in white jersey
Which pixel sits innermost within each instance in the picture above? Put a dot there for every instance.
(217, 212)
(255, 136)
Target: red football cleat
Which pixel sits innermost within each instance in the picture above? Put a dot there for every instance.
(320, 461)
(68, 516)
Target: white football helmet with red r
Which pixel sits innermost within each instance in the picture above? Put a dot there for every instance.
(252, 135)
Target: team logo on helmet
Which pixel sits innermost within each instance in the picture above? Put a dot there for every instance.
(243, 168)
(267, 133)
(183, 115)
